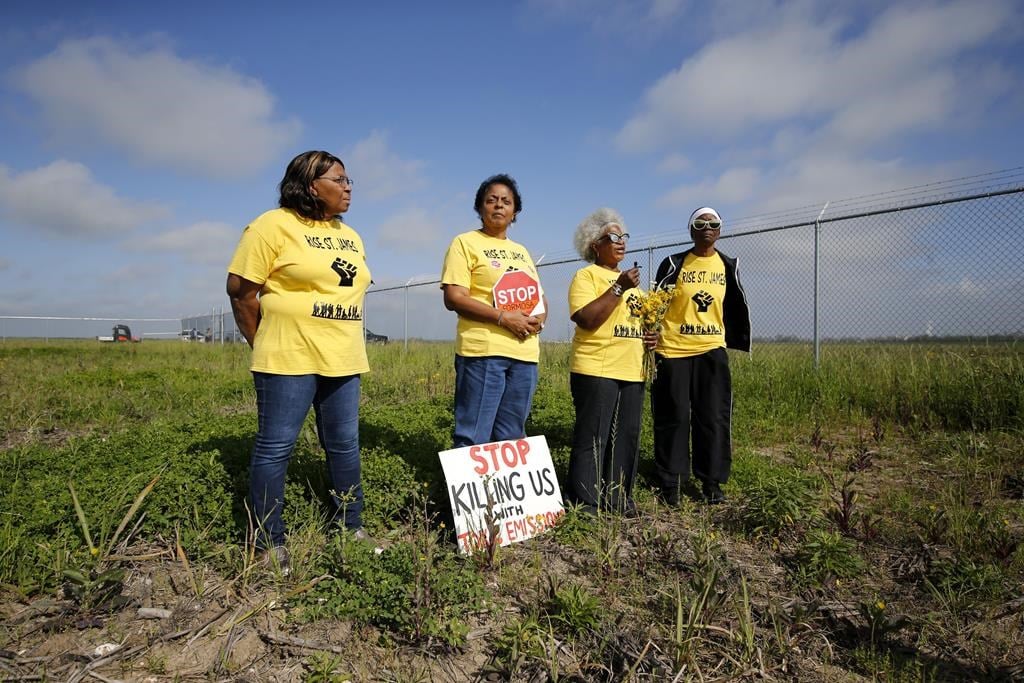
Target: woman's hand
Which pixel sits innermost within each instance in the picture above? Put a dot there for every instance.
(520, 324)
(629, 278)
(651, 339)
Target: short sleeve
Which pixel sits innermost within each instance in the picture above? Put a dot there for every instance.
(582, 291)
(456, 269)
(254, 257)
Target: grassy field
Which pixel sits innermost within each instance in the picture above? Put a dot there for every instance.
(873, 530)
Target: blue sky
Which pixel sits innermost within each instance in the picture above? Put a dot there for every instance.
(138, 139)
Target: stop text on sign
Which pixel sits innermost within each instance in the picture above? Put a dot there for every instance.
(490, 457)
(517, 291)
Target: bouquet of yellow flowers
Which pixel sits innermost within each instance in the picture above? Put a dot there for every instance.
(650, 308)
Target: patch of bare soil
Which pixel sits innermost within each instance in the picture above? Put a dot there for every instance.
(167, 633)
(50, 437)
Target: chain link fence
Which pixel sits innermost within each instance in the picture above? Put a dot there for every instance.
(940, 261)
(943, 261)
(56, 327)
(216, 326)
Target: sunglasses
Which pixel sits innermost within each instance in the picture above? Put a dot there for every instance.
(699, 224)
(615, 238)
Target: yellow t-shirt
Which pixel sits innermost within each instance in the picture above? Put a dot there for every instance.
(314, 278)
(615, 349)
(475, 260)
(693, 323)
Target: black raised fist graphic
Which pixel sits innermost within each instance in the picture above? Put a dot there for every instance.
(633, 301)
(345, 270)
(703, 301)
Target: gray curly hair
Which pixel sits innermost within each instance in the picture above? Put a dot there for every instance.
(591, 228)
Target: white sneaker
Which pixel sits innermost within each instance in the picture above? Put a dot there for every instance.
(361, 535)
(278, 558)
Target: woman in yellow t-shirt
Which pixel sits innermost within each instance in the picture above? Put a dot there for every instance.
(606, 377)
(296, 284)
(492, 283)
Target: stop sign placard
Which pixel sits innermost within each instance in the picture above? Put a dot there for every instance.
(517, 290)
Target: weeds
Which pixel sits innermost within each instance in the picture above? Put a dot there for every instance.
(845, 510)
(324, 668)
(775, 503)
(879, 620)
(745, 631)
(844, 497)
(962, 585)
(102, 552)
(100, 591)
(522, 642)
(999, 539)
(607, 545)
(934, 525)
(681, 584)
(419, 589)
(486, 550)
(863, 456)
(825, 555)
(573, 609)
(890, 667)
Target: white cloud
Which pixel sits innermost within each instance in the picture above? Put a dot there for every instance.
(149, 270)
(206, 242)
(612, 16)
(379, 172)
(812, 179)
(673, 163)
(160, 108)
(967, 287)
(63, 199)
(736, 185)
(897, 74)
(410, 231)
(797, 190)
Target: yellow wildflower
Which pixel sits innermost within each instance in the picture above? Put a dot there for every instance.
(650, 308)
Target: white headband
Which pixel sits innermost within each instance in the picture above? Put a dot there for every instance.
(700, 212)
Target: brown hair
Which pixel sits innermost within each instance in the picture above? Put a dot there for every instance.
(294, 188)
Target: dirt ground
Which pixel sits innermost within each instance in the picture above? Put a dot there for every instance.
(250, 631)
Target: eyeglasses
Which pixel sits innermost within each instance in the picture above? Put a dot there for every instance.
(614, 237)
(341, 180)
(699, 224)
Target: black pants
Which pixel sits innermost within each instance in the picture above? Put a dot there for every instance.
(693, 392)
(606, 441)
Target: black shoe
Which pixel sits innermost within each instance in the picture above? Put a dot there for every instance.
(670, 495)
(713, 493)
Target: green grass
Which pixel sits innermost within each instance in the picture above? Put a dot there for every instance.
(890, 472)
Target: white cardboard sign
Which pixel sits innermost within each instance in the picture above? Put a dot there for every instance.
(519, 480)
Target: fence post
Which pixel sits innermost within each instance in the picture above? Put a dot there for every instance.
(405, 307)
(817, 338)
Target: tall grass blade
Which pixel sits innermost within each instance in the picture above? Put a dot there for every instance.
(82, 521)
(131, 513)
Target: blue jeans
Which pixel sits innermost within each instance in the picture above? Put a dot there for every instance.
(282, 403)
(492, 398)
